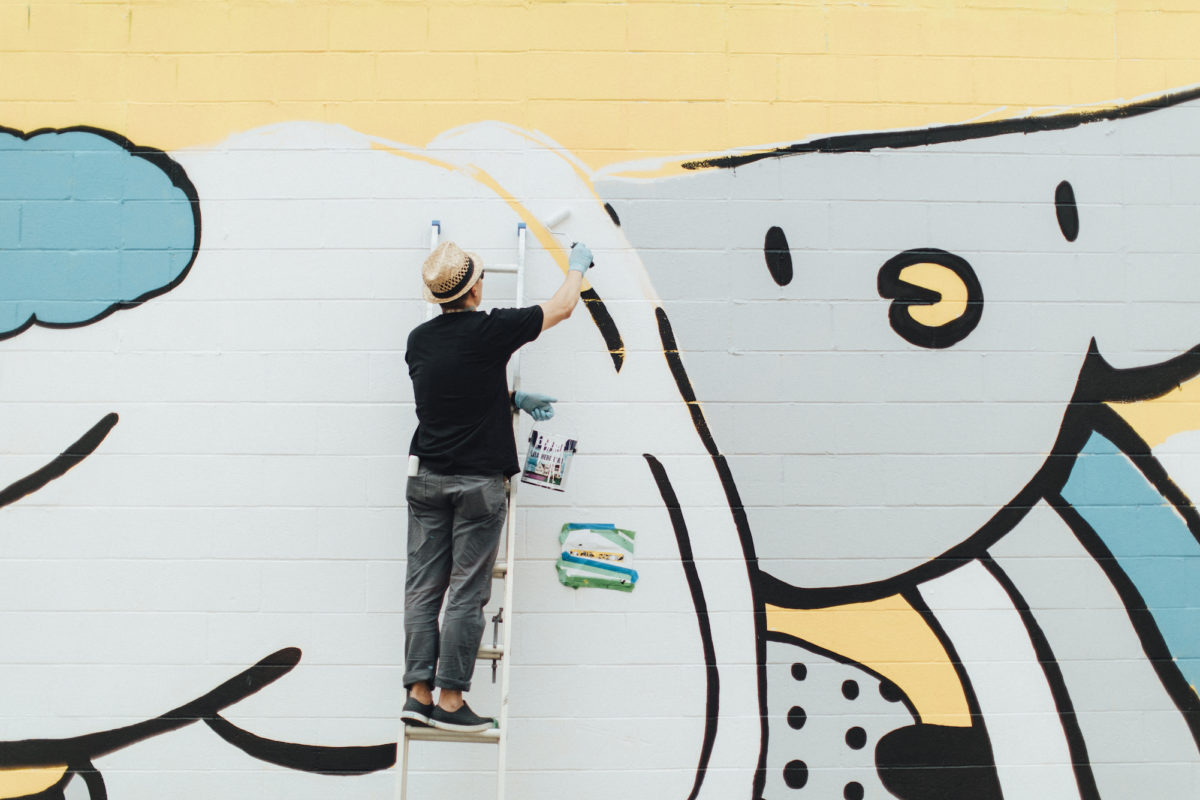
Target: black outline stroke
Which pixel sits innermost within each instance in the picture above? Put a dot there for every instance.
(913, 598)
(179, 179)
(1081, 763)
(69, 458)
(740, 521)
(606, 325)
(1086, 413)
(78, 752)
(79, 749)
(352, 760)
(1154, 645)
(683, 540)
(921, 137)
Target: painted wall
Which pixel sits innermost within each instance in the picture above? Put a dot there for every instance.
(888, 358)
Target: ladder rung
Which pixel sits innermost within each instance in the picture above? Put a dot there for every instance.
(418, 734)
(500, 570)
(510, 269)
(491, 653)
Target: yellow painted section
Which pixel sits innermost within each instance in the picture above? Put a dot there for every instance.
(612, 81)
(890, 637)
(936, 278)
(1156, 420)
(24, 781)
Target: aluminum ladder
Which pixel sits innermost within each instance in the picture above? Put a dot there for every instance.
(502, 571)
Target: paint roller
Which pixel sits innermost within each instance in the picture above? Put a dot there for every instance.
(556, 219)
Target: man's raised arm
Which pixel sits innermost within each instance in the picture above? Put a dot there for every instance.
(560, 306)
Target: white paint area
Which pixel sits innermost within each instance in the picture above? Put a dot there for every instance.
(1028, 743)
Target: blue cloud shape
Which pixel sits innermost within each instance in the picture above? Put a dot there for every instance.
(89, 224)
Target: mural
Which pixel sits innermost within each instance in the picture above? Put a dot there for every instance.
(998, 496)
(881, 407)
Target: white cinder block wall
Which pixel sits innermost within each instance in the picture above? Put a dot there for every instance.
(901, 416)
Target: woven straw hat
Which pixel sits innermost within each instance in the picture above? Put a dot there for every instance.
(450, 272)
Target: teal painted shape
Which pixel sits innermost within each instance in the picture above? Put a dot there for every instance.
(1149, 540)
(85, 225)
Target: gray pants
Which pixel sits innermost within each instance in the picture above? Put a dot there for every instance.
(454, 524)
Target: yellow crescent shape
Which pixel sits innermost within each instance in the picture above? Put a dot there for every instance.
(946, 283)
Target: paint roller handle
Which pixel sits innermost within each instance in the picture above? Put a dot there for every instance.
(581, 258)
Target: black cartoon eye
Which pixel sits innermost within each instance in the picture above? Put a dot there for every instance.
(778, 255)
(1066, 210)
(936, 297)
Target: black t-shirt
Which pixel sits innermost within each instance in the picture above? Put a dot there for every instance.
(457, 364)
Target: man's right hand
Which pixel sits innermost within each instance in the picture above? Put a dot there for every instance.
(581, 258)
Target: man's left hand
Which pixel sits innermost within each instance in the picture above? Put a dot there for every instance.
(535, 405)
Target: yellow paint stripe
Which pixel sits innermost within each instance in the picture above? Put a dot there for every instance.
(892, 638)
(544, 237)
(24, 781)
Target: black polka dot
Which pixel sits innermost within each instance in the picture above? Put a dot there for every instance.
(853, 791)
(849, 689)
(795, 774)
(890, 692)
(856, 738)
(797, 717)
(799, 671)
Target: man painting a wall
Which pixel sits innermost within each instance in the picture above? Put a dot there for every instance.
(463, 452)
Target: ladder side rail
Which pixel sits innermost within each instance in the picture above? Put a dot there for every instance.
(510, 550)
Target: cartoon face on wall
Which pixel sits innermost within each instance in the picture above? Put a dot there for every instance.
(913, 315)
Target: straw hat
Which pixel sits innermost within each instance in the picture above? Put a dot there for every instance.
(450, 272)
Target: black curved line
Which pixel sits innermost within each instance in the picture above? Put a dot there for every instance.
(93, 780)
(1144, 626)
(687, 559)
(1099, 381)
(606, 325)
(306, 757)
(864, 142)
(787, 638)
(1086, 412)
(179, 179)
(70, 457)
(914, 599)
(79, 749)
(740, 521)
(1081, 763)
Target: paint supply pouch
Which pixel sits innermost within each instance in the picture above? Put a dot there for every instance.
(596, 555)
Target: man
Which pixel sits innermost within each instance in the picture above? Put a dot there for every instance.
(464, 453)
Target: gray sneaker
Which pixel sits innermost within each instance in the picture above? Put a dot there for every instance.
(464, 720)
(416, 713)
